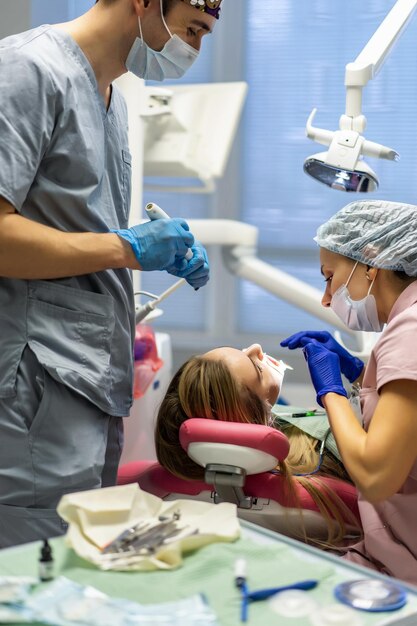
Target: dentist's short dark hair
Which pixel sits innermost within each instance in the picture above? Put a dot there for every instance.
(166, 3)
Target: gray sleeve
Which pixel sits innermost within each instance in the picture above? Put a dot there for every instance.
(27, 114)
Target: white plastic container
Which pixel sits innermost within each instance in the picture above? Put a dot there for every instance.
(139, 426)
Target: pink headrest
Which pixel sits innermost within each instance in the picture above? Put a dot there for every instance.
(261, 438)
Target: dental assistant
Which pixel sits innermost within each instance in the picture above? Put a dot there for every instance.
(66, 252)
(368, 255)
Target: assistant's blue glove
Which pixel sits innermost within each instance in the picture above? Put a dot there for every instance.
(350, 365)
(195, 271)
(158, 244)
(324, 367)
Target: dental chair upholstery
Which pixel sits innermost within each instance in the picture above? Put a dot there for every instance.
(237, 459)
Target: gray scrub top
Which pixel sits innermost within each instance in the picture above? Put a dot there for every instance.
(65, 163)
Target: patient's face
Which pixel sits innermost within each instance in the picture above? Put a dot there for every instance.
(250, 369)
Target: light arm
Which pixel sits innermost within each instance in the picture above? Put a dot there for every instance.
(342, 166)
(368, 63)
(239, 243)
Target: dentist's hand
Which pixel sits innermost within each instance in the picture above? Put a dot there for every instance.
(195, 271)
(350, 365)
(324, 367)
(159, 244)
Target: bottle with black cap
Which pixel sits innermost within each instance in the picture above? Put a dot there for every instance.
(46, 562)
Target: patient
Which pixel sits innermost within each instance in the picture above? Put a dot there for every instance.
(243, 386)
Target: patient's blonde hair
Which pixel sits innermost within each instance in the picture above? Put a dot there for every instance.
(201, 388)
(205, 388)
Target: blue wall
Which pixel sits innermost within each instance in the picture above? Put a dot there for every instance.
(47, 12)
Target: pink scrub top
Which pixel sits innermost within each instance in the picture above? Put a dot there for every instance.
(390, 527)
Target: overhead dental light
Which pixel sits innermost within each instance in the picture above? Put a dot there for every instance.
(342, 167)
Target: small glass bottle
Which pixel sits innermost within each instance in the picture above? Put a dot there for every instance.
(46, 562)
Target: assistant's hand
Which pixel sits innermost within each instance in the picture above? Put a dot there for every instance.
(195, 271)
(350, 365)
(158, 244)
(324, 367)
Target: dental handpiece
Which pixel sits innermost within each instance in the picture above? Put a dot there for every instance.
(154, 212)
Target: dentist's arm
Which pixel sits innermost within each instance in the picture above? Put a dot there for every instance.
(380, 459)
(29, 250)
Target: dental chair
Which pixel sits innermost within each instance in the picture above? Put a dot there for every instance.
(238, 459)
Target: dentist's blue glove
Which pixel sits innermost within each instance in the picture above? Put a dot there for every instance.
(324, 367)
(195, 271)
(159, 244)
(350, 365)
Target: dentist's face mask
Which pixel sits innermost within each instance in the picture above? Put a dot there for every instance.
(356, 314)
(175, 58)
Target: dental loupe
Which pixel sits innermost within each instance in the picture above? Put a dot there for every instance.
(342, 167)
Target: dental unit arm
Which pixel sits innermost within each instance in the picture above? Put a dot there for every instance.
(342, 166)
(239, 243)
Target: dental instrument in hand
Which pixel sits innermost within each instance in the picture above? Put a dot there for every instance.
(154, 212)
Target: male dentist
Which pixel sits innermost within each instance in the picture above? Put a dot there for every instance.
(66, 252)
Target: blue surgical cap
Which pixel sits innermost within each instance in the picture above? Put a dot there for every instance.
(374, 232)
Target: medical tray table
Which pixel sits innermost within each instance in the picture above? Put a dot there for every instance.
(272, 560)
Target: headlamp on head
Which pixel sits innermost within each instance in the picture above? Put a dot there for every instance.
(212, 7)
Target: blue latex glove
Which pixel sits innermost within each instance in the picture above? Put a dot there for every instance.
(159, 244)
(195, 271)
(324, 367)
(350, 365)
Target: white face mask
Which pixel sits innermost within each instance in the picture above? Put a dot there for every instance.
(356, 314)
(175, 58)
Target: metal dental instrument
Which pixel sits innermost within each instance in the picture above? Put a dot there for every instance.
(124, 538)
(145, 537)
(135, 555)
